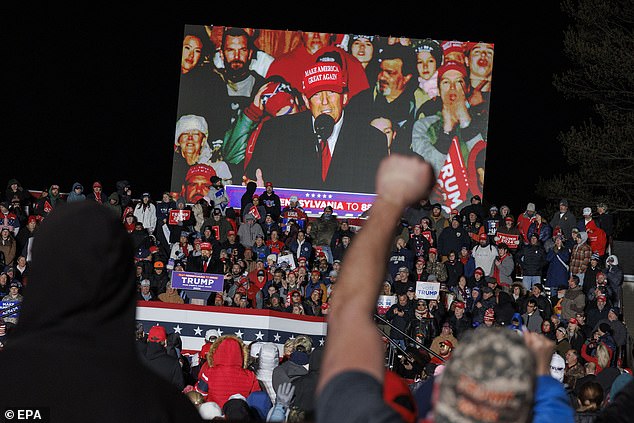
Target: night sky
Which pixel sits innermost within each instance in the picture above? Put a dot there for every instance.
(93, 93)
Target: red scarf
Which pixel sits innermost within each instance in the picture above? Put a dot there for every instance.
(183, 246)
(496, 269)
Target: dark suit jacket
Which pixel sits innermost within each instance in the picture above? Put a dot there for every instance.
(195, 264)
(286, 151)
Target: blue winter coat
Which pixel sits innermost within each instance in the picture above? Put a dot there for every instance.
(557, 273)
(552, 404)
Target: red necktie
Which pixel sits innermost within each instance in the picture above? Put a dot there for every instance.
(205, 263)
(325, 159)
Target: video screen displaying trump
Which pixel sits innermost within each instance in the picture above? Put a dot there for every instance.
(314, 113)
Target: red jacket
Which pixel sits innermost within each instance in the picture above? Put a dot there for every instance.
(228, 374)
(523, 222)
(596, 238)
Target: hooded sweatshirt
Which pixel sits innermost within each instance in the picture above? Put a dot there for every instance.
(227, 373)
(516, 317)
(21, 193)
(74, 196)
(114, 206)
(88, 337)
(305, 386)
(580, 256)
(268, 359)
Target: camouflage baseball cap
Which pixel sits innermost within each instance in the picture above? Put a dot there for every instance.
(490, 378)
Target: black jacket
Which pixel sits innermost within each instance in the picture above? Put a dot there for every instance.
(399, 322)
(451, 239)
(359, 150)
(158, 283)
(89, 334)
(195, 264)
(305, 386)
(532, 259)
(272, 204)
(164, 365)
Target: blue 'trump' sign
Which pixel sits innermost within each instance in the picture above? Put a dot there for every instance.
(197, 281)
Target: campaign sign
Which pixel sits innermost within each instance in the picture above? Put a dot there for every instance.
(197, 281)
(288, 258)
(177, 215)
(285, 226)
(384, 303)
(344, 204)
(512, 241)
(428, 290)
(9, 309)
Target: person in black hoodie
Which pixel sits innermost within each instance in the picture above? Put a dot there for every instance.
(306, 385)
(125, 193)
(475, 207)
(88, 338)
(15, 188)
(504, 309)
(247, 197)
(158, 278)
(165, 365)
(271, 202)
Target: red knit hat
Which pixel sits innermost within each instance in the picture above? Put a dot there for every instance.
(157, 334)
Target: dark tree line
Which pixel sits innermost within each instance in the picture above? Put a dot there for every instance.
(599, 44)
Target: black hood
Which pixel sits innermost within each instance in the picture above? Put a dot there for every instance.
(82, 266)
(121, 185)
(75, 337)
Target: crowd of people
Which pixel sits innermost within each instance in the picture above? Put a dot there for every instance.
(542, 295)
(553, 277)
(248, 94)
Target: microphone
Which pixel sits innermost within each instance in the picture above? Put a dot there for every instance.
(324, 124)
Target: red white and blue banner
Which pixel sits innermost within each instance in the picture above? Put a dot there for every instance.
(344, 204)
(251, 325)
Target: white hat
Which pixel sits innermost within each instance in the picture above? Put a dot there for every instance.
(293, 198)
(254, 348)
(587, 211)
(238, 396)
(211, 333)
(209, 410)
(557, 367)
(190, 123)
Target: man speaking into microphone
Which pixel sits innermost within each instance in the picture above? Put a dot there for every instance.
(326, 147)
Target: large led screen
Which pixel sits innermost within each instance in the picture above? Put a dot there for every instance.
(314, 113)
